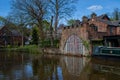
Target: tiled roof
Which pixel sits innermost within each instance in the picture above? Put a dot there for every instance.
(15, 33)
(113, 23)
(116, 23)
(105, 21)
(103, 16)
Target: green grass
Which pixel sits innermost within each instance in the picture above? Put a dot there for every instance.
(34, 49)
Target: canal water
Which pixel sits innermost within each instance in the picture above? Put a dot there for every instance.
(24, 66)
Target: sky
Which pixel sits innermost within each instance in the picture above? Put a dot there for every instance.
(86, 7)
(83, 7)
(5, 7)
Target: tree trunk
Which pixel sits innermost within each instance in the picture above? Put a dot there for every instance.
(56, 23)
(41, 31)
(56, 18)
(51, 32)
(22, 39)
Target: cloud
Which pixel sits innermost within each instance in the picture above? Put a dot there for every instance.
(95, 7)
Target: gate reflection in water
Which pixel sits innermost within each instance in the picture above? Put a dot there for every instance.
(74, 65)
(52, 67)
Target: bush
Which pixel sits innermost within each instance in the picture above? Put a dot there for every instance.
(47, 43)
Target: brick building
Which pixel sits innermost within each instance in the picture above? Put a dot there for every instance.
(102, 26)
(75, 39)
(10, 37)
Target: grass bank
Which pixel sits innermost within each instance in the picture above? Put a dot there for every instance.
(34, 49)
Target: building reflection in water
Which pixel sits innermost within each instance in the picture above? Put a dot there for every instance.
(74, 68)
(105, 69)
(58, 67)
(74, 65)
(53, 67)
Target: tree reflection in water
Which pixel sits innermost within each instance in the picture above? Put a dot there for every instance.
(11, 66)
(17, 66)
(59, 67)
(46, 68)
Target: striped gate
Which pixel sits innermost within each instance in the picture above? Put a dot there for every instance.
(74, 45)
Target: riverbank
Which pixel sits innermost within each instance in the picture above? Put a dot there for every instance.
(56, 51)
(34, 49)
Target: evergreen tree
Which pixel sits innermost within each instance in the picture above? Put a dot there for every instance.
(71, 22)
(35, 36)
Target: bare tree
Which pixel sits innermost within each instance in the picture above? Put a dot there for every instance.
(60, 9)
(3, 21)
(116, 14)
(32, 10)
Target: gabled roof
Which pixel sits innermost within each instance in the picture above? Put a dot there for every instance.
(116, 23)
(105, 21)
(14, 32)
(103, 18)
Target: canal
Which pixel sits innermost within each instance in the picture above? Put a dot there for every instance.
(24, 66)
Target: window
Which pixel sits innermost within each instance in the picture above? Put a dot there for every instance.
(95, 28)
(111, 30)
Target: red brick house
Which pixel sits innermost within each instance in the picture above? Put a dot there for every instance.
(10, 37)
(102, 26)
(74, 38)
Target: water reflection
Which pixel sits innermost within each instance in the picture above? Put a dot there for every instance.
(74, 65)
(46, 68)
(105, 69)
(14, 66)
(17, 66)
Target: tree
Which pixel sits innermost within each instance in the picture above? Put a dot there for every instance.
(6, 22)
(51, 31)
(46, 25)
(116, 14)
(2, 21)
(60, 9)
(35, 36)
(32, 10)
(70, 22)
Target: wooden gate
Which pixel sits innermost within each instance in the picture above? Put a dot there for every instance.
(74, 45)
